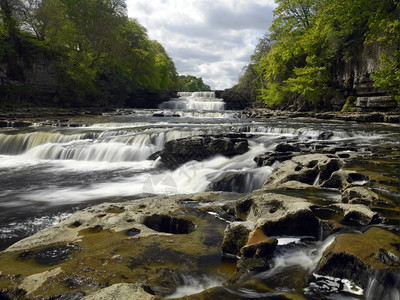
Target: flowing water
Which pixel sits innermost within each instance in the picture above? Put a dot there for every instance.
(47, 173)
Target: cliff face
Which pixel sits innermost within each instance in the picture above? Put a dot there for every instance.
(354, 78)
(28, 74)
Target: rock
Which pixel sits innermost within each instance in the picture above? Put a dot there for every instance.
(374, 103)
(145, 241)
(247, 267)
(33, 282)
(198, 148)
(325, 135)
(309, 169)
(359, 195)
(338, 180)
(356, 256)
(297, 222)
(236, 236)
(168, 224)
(355, 214)
(259, 245)
(121, 291)
(265, 215)
(53, 255)
(269, 159)
(285, 147)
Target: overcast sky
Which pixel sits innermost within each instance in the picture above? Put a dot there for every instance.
(212, 39)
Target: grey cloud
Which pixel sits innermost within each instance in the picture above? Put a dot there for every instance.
(215, 44)
(253, 17)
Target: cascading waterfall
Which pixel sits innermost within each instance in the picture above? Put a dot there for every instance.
(19, 143)
(195, 101)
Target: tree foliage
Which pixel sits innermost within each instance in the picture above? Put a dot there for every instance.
(102, 56)
(308, 41)
(190, 83)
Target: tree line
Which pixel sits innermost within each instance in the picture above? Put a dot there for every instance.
(100, 56)
(300, 54)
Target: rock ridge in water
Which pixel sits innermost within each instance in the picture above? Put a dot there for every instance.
(178, 152)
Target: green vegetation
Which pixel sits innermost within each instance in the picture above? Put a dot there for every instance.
(90, 49)
(189, 83)
(308, 43)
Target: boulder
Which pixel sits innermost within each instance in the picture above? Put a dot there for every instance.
(359, 195)
(259, 245)
(338, 180)
(311, 169)
(236, 236)
(355, 256)
(355, 214)
(263, 215)
(121, 291)
(178, 152)
(268, 159)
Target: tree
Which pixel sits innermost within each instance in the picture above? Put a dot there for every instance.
(310, 38)
(7, 14)
(291, 15)
(190, 83)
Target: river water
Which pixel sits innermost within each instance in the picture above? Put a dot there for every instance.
(48, 172)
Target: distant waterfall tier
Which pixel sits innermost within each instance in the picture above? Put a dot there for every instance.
(195, 101)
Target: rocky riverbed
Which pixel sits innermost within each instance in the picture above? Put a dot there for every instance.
(339, 206)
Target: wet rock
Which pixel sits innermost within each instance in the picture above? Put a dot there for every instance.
(70, 296)
(357, 256)
(249, 266)
(344, 150)
(121, 291)
(198, 148)
(309, 169)
(383, 284)
(338, 180)
(33, 282)
(259, 245)
(269, 159)
(359, 195)
(132, 232)
(53, 255)
(325, 135)
(355, 214)
(301, 222)
(278, 214)
(168, 224)
(286, 147)
(236, 236)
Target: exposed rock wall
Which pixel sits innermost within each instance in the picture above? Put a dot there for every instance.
(353, 75)
(34, 73)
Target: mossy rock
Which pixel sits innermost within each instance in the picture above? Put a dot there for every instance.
(356, 256)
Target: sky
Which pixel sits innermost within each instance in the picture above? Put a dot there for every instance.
(211, 39)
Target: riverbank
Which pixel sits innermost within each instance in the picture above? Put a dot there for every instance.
(365, 117)
(80, 117)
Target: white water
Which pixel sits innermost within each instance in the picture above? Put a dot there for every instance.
(196, 101)
(193, 285)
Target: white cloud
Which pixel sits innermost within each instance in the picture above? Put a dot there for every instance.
(212, 39)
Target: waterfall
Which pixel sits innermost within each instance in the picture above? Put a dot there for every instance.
(19, 143)
(195, 101)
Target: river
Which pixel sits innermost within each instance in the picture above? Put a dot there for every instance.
(48, 172)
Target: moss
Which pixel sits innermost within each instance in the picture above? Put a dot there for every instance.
(349, 104)
(106, 257)
(354, 256)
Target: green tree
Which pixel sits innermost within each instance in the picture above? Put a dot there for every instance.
(310, 38)
(190, 83)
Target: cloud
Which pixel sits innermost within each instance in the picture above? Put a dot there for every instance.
(212, 39)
